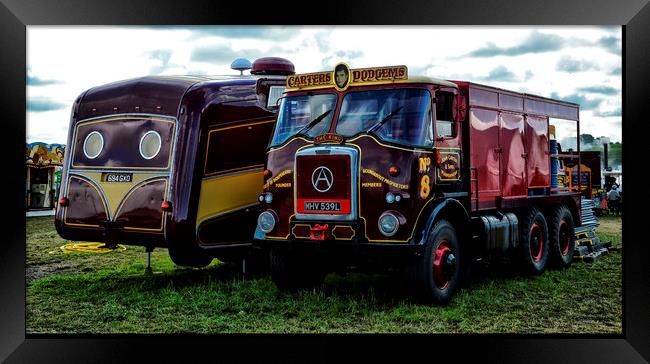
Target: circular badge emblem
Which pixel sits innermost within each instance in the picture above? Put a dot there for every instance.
(341, 76)
(322, 179)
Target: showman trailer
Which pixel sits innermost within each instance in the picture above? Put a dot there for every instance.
(172, 162)
(374, 166)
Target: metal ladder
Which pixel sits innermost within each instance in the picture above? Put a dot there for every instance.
(475, 180)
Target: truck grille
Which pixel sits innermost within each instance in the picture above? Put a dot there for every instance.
(326, 183)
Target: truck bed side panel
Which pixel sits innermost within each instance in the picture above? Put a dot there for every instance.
(484, 157)
(537, 162)
(513, 173)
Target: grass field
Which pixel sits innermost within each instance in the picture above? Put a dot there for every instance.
(109, 293)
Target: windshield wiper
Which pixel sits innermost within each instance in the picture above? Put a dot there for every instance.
(384, 120)
(314, 122)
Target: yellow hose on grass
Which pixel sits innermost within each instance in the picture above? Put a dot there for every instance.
(91, 248)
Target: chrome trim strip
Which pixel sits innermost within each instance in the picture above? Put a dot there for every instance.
(126, 114)
(354, 173)
(258, 169)
(172, 167)
(67, 171)
(161, 172)
(220, 214)
(172, 119)
(99, 188)
(118, 208)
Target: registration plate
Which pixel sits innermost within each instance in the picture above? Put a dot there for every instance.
(118, 177)
(322, 206)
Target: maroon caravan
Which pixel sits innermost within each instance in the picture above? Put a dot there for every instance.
(172, 162)
(375, 168)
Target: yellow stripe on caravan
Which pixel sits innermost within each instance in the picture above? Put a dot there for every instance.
(115, 191)
(228, 193)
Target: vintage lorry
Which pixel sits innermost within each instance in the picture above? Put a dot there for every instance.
(172, 162)
(377, 168)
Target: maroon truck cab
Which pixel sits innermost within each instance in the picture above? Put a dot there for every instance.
(171, 161)
(377, 165)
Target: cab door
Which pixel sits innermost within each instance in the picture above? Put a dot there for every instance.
(447, 137)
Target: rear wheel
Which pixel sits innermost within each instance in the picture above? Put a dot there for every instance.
(561, 237)
(187, 259)
(232, 256)
(293, 272)
(435, 276)
(533, 242)
(257, 261)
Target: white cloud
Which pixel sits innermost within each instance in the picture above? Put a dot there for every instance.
(84, 57)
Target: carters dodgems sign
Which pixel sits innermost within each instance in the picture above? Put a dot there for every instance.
(342, 77)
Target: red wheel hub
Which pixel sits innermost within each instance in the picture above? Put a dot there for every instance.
(565, 237)
(536, 242)
(444, 264)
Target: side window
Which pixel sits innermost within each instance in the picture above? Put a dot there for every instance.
(275, 92)
(429, 138)
(444, 119)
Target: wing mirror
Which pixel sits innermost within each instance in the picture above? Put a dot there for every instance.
(459, 108)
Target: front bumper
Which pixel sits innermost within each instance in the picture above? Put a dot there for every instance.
(345, 238)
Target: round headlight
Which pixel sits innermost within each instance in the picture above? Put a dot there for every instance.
(268, 198)
(260, 198)
(390, 198)
(266, 222)
(93, 145)
(150, 144)
(388, 224)
(398, 198)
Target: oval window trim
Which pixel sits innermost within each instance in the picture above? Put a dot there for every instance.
(101, 138)
(159, 144)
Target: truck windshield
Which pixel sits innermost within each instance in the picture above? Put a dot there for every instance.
(297, 112)
(397, 115)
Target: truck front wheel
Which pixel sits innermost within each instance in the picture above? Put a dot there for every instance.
(292, 272)
(533, 242)
(435, 276)
(561, 236)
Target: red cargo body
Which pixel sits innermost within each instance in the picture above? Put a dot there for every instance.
(484, 156)
(537, 157)
(514, 170)
(508, 142)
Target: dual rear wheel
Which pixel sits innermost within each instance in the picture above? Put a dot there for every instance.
(562, 237)
(533, 242)
(437, 274)
(546, 242)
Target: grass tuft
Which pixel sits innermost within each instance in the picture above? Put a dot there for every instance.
(110, 293)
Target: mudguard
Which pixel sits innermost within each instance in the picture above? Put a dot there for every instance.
(453, 210)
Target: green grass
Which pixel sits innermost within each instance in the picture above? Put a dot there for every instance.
(109, 293)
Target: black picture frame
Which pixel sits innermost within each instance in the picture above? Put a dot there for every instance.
(630, 347)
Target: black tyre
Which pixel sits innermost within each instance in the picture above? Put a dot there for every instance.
(561, 236)
(229, 257)
(293, 272)
(186, 259)
(435, 276)
(533, 242)
(257, 261)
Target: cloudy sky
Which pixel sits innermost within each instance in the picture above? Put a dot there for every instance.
(578, 64)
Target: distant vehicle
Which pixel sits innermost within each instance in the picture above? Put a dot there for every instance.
(172, 162)
(412, 172)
